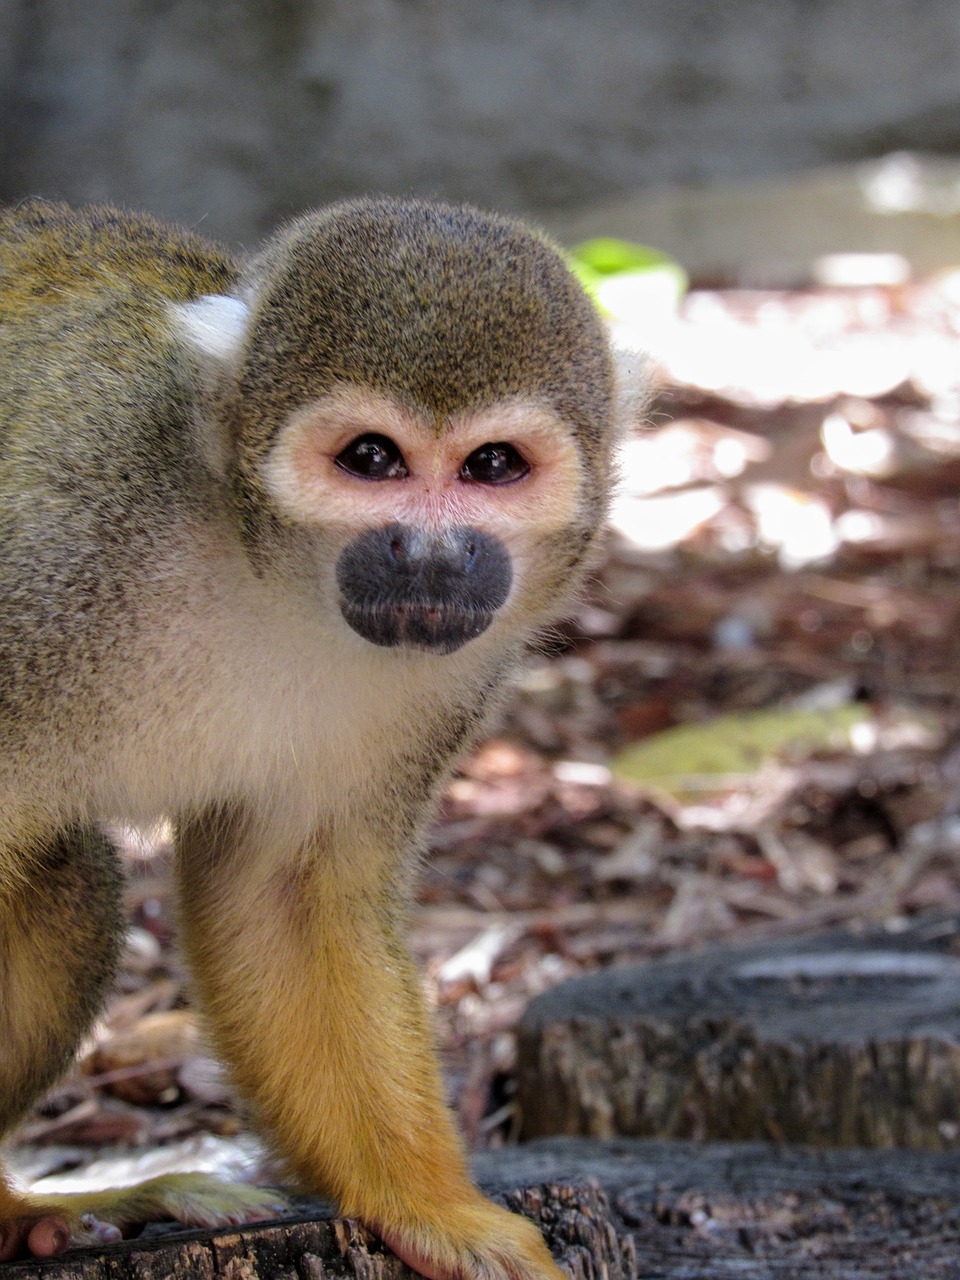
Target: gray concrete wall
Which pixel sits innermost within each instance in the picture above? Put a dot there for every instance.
(231, 114)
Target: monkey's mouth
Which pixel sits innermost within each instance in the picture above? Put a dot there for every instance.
(430, 626)
(406, 587)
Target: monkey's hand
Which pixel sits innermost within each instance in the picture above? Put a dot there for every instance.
(45, 1225)
(475, 1241)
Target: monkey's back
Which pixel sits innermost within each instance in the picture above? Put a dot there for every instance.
(52, 255)
(97, 458)
(86, 347)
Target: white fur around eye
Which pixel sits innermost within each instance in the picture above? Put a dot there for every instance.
(214, 325)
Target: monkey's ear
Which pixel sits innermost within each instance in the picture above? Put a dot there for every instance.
(214, 326)
(634, 388)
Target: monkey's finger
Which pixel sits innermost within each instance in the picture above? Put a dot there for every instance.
(41, 1237)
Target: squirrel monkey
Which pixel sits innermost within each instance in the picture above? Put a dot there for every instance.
(272, 536)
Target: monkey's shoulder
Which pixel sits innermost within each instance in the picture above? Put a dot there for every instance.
(54, 255)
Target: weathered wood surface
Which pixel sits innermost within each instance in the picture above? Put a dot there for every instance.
(574, 1219)
(666, 1211)
(756, 1211)
(837, 1039)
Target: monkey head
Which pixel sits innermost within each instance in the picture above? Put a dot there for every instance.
(419, 399)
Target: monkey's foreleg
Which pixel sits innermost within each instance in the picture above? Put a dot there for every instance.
(315, 1003)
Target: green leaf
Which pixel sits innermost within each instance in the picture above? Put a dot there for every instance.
(625, 279)
(607, 256)
(737, 744)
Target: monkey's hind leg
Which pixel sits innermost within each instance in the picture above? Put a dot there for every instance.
(61, 927)
(60, 934)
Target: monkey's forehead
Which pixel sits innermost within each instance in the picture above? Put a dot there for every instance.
(439, 306)
(444, 364)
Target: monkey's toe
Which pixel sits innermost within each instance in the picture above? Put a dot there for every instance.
(94, 1230)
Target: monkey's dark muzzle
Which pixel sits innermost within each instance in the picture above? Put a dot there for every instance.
(405, 586)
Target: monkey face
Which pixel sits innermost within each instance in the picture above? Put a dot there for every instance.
(439, 529)
(417, 411)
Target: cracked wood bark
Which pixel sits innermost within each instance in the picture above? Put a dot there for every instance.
(574, 1219)
(668, 1211)
(757, 1211)
(836, 1039)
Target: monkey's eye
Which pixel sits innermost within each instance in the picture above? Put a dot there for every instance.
(498, 463)
(373, 457)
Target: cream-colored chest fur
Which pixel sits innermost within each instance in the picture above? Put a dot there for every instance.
(243, 692)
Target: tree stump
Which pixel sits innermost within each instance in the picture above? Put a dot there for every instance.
(666, 1211)
(837, 1039)
(757, 1211)
(575, 1221)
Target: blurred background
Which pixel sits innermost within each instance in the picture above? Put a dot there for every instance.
(743, 137)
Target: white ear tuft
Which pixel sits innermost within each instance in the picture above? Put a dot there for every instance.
(634, 387)
(215, 325)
